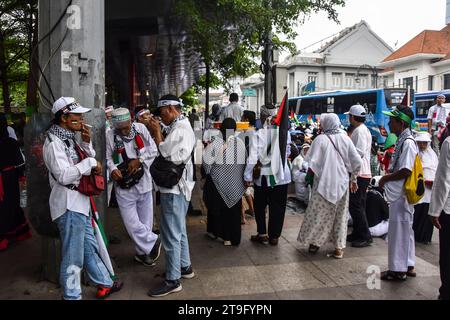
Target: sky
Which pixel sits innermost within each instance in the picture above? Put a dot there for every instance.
(395, 21)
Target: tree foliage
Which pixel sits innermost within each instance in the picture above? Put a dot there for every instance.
(229, 34)
(18, 23)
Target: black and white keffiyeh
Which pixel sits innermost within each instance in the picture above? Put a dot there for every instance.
(225, 163)
(406, 134)
(68, 137)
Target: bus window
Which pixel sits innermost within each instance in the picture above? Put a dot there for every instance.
(423, 106)
(344, 102)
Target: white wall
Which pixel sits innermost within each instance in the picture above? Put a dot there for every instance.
(360, 47)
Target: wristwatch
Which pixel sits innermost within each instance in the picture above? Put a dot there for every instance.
(141, 160)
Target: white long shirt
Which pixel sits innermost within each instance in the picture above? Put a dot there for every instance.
(233, 110)
(396, 189)
(429, 163)
(66, 171)
(177, 147)
(258, 148)
(148, 153)
(438, 114)
(362, 139)
(440, 195)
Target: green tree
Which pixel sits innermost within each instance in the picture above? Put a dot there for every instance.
(229, 34)
(18, 34)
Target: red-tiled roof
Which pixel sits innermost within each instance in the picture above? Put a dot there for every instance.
(428, 41)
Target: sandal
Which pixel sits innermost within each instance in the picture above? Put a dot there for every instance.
(338, 254)
(313, 248)
(393, 276)
(260, 239)
(411, 272)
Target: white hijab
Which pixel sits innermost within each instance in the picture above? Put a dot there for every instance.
(430, 162)
(332, 167)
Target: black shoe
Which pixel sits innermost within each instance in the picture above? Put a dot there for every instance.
(361, 243)
(156, 251)
(145, 260)
(187, 273)
(167, 287)
(351, 237)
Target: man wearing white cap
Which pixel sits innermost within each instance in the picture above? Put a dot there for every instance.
(362, 139)
(436, 120)
(69, 208)
(130, 150)
(175, 147)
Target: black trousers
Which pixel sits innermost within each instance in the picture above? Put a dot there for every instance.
(444, 255)
(275, 198)
(357, 208)
(422, 226)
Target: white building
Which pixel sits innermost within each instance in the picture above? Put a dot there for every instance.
(423, 63)
(346, 62)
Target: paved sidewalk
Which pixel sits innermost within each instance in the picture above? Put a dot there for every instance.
(250, 271)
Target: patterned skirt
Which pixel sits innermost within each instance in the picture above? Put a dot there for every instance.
(324, 221)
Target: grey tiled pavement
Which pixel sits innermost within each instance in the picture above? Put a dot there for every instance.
(250, 271)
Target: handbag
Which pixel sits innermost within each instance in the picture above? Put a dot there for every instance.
(165, 173)
(91, 185)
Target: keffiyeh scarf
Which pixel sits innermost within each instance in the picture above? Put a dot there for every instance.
(68, 137)
(398, 148)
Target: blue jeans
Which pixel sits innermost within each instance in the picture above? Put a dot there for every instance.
(79, 248)
(173, 234)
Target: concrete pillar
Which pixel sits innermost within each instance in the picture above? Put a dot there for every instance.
(72, 58)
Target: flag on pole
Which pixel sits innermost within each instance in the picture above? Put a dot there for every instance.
(102, 240)
(282, 122)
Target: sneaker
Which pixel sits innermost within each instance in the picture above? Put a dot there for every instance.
(393, 276)
(167, 287)
(103, 292)
(145, 260)
(187, 273)
(156, 251)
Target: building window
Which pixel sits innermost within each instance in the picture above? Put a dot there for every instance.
(337, 79)
(430, 83)
(349, 80)
(292, 84)
(408, 82)
(362, 81)
(447, 81)
(312, 77)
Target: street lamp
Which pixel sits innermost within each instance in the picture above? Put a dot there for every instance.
(374, 74)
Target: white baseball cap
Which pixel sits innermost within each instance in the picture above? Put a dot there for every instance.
(67, 105)
(358, 111)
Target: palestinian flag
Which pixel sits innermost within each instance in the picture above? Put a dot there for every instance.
(282, 122)
(102, 240)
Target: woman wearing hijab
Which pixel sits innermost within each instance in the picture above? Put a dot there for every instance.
(331, 159)
(422, 226)
(224, 164)
(13, 225)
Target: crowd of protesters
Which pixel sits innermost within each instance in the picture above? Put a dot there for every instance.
(341, 177)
